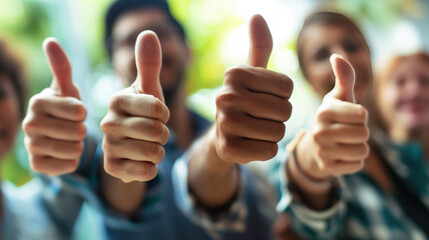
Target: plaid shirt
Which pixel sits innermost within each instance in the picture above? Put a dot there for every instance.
(364, 210)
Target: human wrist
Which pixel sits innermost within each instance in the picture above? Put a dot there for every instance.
(215, 156)
(310, 183)
(317, 194)
(305, 160)
(212, 181)
(204, 160)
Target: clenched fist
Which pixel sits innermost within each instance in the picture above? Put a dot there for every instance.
(54, 125)
(135, 126)
(252, 104)
(337, 142)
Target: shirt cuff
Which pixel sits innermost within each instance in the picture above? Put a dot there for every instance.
(309, 223)
(232, 218)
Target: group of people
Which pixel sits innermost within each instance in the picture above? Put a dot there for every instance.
(360, 169)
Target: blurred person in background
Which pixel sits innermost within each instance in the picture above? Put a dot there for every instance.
(251, 108)
(184, 125)
(137, 193)
(36, 210)
(325, 192)
(401, 93)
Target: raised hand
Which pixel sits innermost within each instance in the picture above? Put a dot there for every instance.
(337, 142)
(252, 104)
(135, 126)
(54, 125)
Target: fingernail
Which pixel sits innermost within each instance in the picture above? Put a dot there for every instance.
(333, 56)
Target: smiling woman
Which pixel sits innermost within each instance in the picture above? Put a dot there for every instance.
(345, 179)
(401, 94)
(402, 97)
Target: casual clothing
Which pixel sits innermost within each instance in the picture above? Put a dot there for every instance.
(249, 216)
(44, 208)
(159, 217)
(47, 208)
(364, 210)
(253, 211)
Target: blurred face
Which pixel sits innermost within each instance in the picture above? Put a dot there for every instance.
(322, 40)
(9, 115)
(175, 53)
(404, 99)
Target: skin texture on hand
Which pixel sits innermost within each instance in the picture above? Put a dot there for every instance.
(134, 127)
(135, 131)
(54, 125)
(336, 144)
(251, 106)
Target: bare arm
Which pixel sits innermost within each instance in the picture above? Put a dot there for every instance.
(214, 181)
(122, 197)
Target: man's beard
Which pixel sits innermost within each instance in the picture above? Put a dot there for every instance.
(171, 92)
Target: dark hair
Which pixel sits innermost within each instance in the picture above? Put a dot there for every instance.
(11, 67)
(323, 17)
(120, 7)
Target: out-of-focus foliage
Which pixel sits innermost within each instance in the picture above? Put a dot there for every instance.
(382, 12)
(213, 33)
(13, 171)
(207, 24)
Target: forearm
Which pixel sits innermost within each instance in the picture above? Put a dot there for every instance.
(302, 173)
(125, 198)
(213, 182)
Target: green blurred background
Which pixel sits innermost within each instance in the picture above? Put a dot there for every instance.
(217, 35)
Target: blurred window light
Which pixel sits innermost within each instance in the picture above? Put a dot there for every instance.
(235, 49)
(285, 60)
(405, 37)
(281, 18)
(104, 87)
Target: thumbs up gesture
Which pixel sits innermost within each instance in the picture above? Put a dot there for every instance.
(252, 104)
(337, 142)
(135, 126)
(54, 125)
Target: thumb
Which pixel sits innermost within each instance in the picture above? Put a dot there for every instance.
(261, 42)
(148, 62)
(344, 78)
(61, 69)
